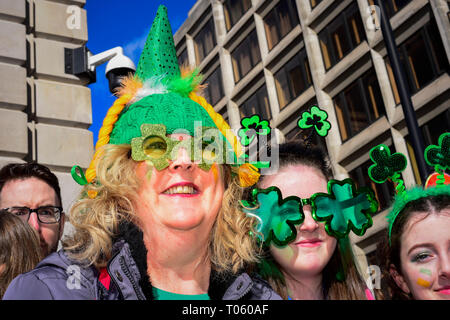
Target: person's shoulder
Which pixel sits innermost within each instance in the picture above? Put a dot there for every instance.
(250, 287)
(53, 278)
(28, 286)
(262, 290)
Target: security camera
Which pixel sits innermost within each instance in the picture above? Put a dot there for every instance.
(82, 63)
(117, 68)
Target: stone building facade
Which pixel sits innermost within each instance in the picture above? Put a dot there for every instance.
(44, 112)
(277, 58)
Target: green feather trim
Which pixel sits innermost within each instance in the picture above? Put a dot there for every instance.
(184, 85)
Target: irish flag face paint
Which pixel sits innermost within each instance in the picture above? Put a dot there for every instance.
(423, 283)
(426, 274)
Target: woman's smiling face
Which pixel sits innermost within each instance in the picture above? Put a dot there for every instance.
(181, 196)
(310, 252)
(425, 256)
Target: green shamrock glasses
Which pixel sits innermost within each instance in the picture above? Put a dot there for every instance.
(205, 148)
(343, 209)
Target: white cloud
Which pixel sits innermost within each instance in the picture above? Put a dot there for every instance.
(134, 48)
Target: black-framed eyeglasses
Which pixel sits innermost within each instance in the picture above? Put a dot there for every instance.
(46, 214)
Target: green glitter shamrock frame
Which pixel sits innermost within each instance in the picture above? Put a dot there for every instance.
(332, 208)
(344, 208)
(276, 216)
(172, 145)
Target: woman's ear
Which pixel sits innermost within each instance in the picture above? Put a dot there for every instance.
(399, 280)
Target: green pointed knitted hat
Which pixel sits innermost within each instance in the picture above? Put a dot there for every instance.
(159, 55)
(163, 97)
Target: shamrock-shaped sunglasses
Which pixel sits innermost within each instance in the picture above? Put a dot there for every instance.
(206, 148)
(343, 209)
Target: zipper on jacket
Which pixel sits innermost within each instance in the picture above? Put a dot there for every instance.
(112, 278)
(246, 291)
(127, 273)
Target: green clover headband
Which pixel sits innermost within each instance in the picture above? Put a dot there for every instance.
(342, 209)
(387, 166)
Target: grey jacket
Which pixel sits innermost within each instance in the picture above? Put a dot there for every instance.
(58, 278)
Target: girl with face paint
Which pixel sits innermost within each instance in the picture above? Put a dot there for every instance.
(417, 259)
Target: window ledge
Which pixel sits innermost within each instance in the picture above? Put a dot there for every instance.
(237, 29)
(244, 81)
(363, 138)
(294, 106)
(420, 99)
(284, 43)
(222, 103)
(209, 57)
(379, 224)
(338, 71)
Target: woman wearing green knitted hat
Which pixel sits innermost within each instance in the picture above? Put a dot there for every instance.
(159, 215)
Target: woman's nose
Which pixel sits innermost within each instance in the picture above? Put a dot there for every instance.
(444, 268)
(309, 224)
(182, 161)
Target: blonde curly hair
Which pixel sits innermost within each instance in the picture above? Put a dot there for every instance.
(96, 219)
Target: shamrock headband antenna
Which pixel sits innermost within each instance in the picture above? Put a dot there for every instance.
(387, 166)
(315, 119)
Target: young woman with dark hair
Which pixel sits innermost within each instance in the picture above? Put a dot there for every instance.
(416, 254)
(308, 267)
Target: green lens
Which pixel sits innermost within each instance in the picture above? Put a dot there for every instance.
(154, 147)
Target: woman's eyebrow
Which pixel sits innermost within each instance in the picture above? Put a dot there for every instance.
(425, 245)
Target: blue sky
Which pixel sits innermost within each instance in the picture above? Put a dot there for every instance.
(124, 23)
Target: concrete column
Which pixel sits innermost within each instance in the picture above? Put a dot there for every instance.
(261, 34)
(190, 51)
(219, 20)
(385, 84)
(441, 10)
(272, 93)
(227, 72)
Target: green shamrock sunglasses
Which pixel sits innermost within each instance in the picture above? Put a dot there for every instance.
(343, 209)
(205, 148)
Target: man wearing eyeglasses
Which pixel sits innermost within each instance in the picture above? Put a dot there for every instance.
(31, 191)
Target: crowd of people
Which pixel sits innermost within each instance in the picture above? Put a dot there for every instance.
(164, 215)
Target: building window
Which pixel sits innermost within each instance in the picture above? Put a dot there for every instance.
(258, 104)
(293, 79)
(214, 90)
(392, 6)
(314, 3)
(431, 132)
(384, 192)
(279, 21)
(183, 59)
(341, 36)
(359, 105)
(423, 58)
(205, 41)
(245, 56)
(234, 10)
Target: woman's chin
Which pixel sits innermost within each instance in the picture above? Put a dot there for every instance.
(183, 221)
